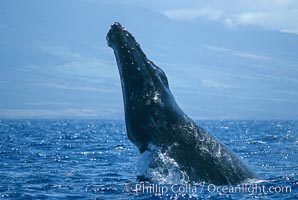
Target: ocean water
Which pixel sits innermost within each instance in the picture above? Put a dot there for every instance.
(93, 159)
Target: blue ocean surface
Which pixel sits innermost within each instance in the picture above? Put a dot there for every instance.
(93, 159)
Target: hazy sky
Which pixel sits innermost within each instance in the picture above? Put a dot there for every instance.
(224, 59)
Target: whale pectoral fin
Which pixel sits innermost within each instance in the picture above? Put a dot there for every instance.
(161, 75)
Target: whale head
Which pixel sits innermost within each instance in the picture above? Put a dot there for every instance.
(145, 88)
(131, 60)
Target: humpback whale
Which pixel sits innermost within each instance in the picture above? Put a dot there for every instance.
(152, 117)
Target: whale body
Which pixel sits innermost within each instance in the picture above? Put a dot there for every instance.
(153, 117)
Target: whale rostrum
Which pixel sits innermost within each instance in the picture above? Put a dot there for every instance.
(153, 117)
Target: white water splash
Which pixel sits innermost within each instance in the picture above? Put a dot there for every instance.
(159, 167)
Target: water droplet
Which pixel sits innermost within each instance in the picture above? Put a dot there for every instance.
(155, 98)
